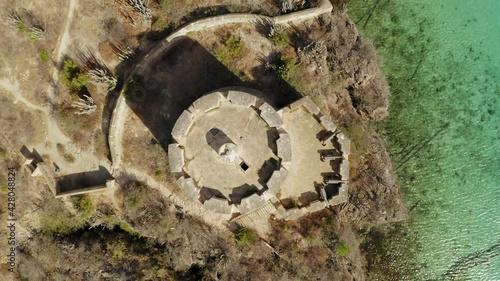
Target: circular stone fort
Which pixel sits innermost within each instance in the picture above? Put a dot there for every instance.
(238, 155)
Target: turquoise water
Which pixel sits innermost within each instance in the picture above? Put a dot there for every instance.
(442, 61)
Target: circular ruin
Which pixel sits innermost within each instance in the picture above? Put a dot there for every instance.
(239, 156)
(227, 148)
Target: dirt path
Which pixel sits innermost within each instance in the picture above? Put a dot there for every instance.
(13, 88)
(84, 160)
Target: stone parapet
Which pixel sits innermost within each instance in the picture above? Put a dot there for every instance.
(344, 169)
(182, 126)
(276, 180)
(188, 186)
(175, 158)
(241, 98)
(208, 102)
(284, 148)
(308, 104)
(293, 213)
(270, 115)
(109, 184)
(327, 123)
(315, 206)
(250, 203)
(218, 205)
(345, 144)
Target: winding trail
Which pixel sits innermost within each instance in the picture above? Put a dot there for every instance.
(121, 110)
(53, 134)
(83, 161)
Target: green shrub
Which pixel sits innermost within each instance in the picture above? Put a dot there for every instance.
(246, 236)
(21, 27)
(84, 205)
(43, 55)
(232, 48)
(58, 221)
(285, 67)
(280, 38)
(72, 76)
(128, 229)
(342, 249)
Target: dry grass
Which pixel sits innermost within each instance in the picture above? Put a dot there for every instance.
(19, 125)
(141, 151)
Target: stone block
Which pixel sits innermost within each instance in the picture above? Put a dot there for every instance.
(344, 170)
(293, 213)
(182, 126)
(335, 200)
(270, 115)
(345, 144)
(208, 102)
(250, 203)
(327, 123)
(315, 206)
(241, 98)
(307, 103)
(175, 158)
(276, 180)
(284, 148)
(188, 186)
(218, 205)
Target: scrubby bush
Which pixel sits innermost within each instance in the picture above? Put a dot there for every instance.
(284, 66)
(232, 48)
(59, 221)
(246, 236)
(73, 77)
(279, 36)
(342, 249)
(43, 55)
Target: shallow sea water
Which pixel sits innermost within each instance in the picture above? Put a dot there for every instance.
(442, 61)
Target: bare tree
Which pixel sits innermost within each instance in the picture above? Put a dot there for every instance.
(123, 53)
(36, 33)
(15, 20)
(100, 75)
(85, 106)
(290, 5)
(287, 5)
(140, 6)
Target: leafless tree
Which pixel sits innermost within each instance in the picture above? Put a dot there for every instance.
(36, 33)
(123, 53)
(15, 20)
(85, 106)
(140, 6)
(287, 5)
(100, 75)
(290, 5)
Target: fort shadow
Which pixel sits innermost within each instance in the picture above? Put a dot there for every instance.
(159, 92)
